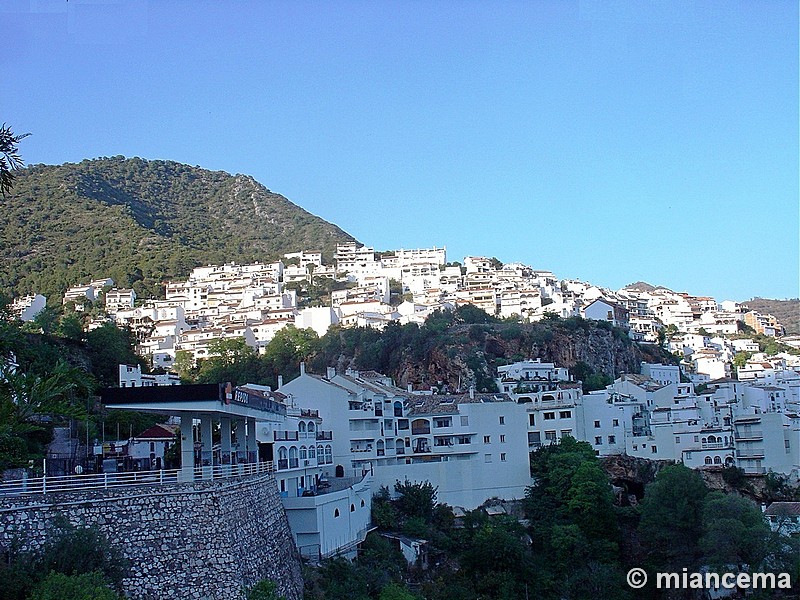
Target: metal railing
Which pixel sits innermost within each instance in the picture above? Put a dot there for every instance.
(99, 481)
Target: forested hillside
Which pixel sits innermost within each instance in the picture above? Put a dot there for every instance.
(140, 222)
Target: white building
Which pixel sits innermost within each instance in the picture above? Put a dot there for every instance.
(132, 376)
(27, 307)
(447, 440)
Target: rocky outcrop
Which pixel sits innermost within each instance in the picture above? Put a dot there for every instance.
(470, 354)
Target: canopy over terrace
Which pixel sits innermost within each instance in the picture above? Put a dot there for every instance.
(236, 410)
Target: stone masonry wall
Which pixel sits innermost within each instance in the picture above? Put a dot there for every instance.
(206, 540)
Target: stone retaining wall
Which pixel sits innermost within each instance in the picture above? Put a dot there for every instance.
(204, 540)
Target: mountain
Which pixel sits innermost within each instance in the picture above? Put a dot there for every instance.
(141, 222)
(786, 311)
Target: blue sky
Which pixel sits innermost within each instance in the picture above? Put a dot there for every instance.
(604, 140)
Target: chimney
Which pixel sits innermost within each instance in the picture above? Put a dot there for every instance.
(302, 368)
(472, 392)
(280, 381)
(331, 372)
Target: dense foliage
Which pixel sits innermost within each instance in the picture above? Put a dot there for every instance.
(141, 222)
(50, 380)
(568, 539)
(77, 563)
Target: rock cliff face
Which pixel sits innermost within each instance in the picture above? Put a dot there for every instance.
(472, 354)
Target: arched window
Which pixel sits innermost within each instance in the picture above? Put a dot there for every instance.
(708, 460)
(282, 453)
(311, 426)
(362, 504)
(336, 513)
(293, 457)
(328, 454)
(302, 427)
(352, 508)
(704, 440)
(717, 460)
(312, 452)
(712, 439)
(303, 453)
(398, 409)
(320, 455)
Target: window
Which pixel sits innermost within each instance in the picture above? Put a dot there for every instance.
(696, 438)
(503, 439)
(487, 439)
(463, 439)
(487, 458)
(654, 449)
(549, 416)
(502, 457)
(708, 460)
(565, 414)
(616, 423)
(677, 439)
(352, 508)
(502, 420)
(362, 504)
(532, 419)
(597, 424)
(566, 432)
(598, 440)
(443, 422)
(303, 453)
(336, 513)
(612, 439)
(550, 436)
(465, 421)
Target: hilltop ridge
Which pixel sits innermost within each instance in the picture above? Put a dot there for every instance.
(142, 221)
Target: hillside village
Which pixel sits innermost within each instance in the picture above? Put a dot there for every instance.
(697, 413)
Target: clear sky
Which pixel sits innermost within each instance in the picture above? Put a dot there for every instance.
(604, 140)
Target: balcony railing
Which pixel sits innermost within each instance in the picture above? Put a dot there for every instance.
(420, 430)
(97, 481)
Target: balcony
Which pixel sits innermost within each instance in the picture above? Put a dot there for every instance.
(324, 435)
(749, 434)
(421, 430)
(285, 436)
(293, 463)
(283, 464)
(754, 453)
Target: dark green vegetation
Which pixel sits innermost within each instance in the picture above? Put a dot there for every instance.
(53, 385)
(141, 222)
(786, 311)
(569, 539)
(75, 564)
(454, 350)
(10, 159)
(450, 352)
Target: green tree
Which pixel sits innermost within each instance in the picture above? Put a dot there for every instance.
(734, 532)
(86, 586)
(10, 159)
(184, 365)
(395, 591)
(264, 590)
(416, 499)
(672, 518)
